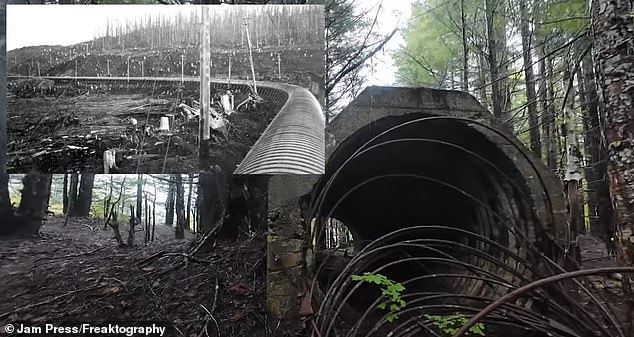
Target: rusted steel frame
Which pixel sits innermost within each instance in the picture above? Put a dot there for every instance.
(370, 248)
(434, 295)
(604, 310)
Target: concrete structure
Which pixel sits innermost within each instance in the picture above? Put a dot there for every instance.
(401, 157)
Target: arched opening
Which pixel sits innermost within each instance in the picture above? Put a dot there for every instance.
(444, 174)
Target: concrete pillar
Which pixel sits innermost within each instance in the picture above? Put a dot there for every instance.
(286, 247)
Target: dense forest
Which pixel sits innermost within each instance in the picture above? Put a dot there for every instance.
(145, 200)
(553, 72)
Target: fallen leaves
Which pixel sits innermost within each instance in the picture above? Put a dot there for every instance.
(239, 288)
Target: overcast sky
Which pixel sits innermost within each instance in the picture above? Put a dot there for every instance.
(395, 13)
(32, 25)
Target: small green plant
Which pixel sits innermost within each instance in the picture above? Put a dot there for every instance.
(390, 290)
(449, 324)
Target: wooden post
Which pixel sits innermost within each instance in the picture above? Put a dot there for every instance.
(142, 69)
(182, 69)
(38, 69)
(246, 27)
(279, 66)
(128, 70)
(205, 77)
(108, 66)
(75, 69)
(229, 78)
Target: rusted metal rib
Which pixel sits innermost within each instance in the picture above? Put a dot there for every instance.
(293, 143)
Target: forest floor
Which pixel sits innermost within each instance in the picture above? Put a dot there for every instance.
(76, 273)
(58, 132)
(609, 288)
(72, 133)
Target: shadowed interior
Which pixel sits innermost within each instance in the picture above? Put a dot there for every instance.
(434, 172)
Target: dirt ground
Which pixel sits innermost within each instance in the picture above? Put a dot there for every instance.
(76, 273)
(71, 133)
(609, 288)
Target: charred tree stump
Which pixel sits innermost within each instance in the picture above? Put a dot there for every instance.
(34, 203)
(84, 198)
(133, 221)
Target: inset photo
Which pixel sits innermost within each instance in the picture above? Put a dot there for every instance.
(165, 89)
(183, 253)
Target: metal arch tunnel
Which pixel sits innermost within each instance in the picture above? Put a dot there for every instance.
(439, 196)
(293, 143)
(387, 138)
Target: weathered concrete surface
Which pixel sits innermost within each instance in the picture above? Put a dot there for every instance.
(286, 247)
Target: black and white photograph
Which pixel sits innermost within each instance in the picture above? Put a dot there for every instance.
(120, 89)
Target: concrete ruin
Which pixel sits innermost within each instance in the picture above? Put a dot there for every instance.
(403, 157)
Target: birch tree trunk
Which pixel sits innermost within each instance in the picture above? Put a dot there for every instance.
(573, 174)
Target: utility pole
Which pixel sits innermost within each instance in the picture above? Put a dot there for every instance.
(205, 77)
(108, 66)
(246, 27)
(229, 78)
(279, 66)
(182, 69)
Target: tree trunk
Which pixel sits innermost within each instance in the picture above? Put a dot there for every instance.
(34, 202)
(189, 201)
(133, 222)
(550, 130)
(601, 213)
(146, 227)
(180, 207)
(84, 198)
(573, 176)
(153, 219)
(139, 198)
(213, 192)
(482, 81)
(72, 194)
(598, 155)
(542, 97)
(527, 38)
(613, 46)
(169, 203)
(496, 98)
(65, 195)
(5, 201)
(465, 49)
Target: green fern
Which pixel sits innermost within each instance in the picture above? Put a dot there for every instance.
(390, 290)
